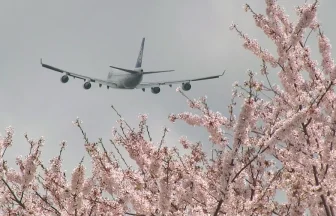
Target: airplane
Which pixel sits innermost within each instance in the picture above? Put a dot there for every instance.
(131, 80)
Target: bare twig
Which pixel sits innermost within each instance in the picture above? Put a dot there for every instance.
(304, 44)
(104, 149)
(165, 130)
(119, 153)
(129, 127)
(149, 136)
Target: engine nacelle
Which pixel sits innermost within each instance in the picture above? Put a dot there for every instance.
(155, 90)
(87, 85)
(186, 86)
(64, 79)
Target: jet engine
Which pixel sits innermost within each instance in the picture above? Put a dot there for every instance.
(87, 85)
(155, 90)
(186, 86)
(64, 79)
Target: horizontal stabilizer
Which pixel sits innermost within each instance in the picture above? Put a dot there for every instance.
(152, 72)
(126, 70)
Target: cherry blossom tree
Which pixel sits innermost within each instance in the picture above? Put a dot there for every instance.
(282, 140)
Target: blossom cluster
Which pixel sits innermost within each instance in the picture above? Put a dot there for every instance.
(280, 142)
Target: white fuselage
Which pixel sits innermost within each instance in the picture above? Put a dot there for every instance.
(126, 81)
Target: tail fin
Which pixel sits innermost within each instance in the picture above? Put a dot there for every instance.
(139, 61)
(109, 76)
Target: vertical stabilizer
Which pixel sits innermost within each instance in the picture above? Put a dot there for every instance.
(139, 61)
(109, 76)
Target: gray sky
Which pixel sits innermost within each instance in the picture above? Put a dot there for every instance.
(190, 36)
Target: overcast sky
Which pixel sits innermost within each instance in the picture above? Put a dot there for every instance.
(190, 36)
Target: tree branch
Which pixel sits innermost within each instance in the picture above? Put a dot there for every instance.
(15, 197)
(322, 196)
(45, 200)
(218, 207)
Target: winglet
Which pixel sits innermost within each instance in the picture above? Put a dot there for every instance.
(41, 61)
(223, 73)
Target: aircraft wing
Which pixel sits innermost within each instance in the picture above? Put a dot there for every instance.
(155, 84)
(78, 76)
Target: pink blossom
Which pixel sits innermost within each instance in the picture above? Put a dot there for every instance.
(77, 179)
(7, 140)
(325, 50)
(282, 139)
(29, 170)
(185, 143)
